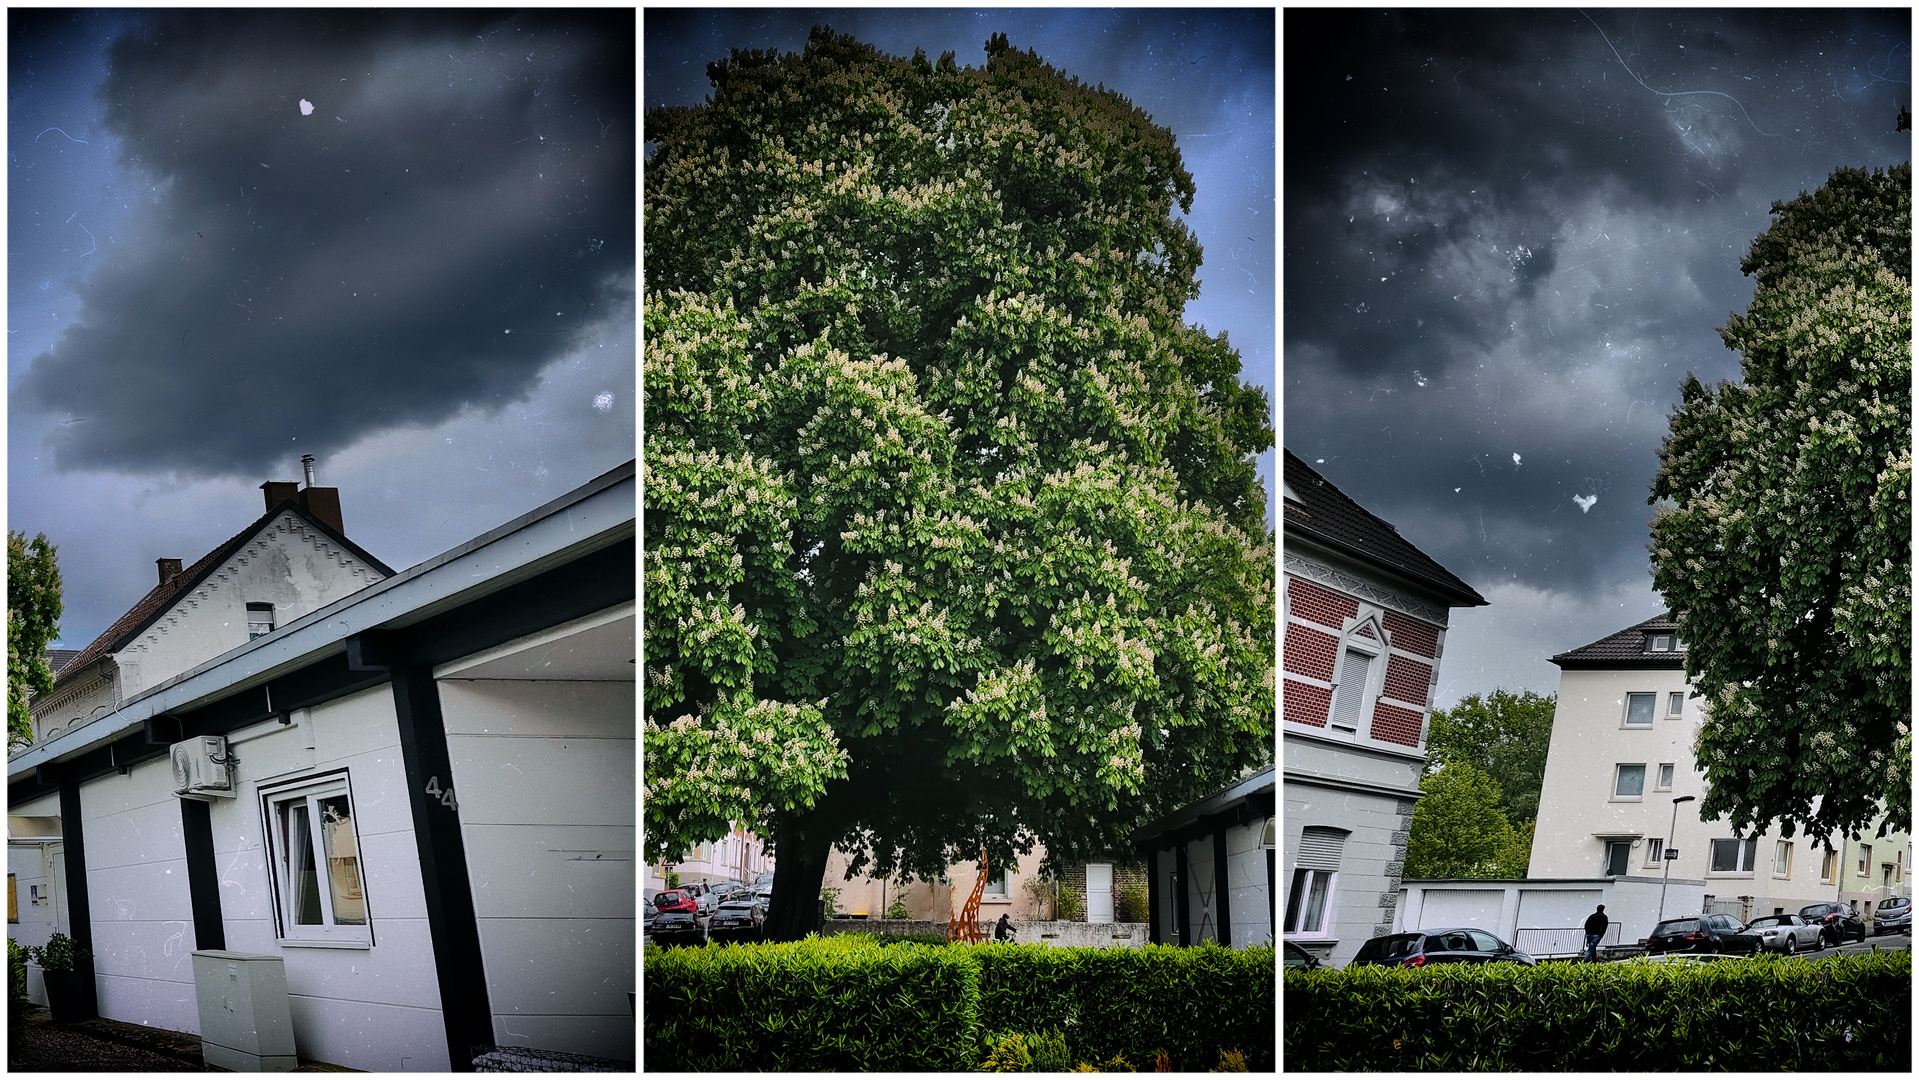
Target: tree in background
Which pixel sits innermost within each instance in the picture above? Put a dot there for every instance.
(1459, 830)
(34, 607)
(1782, 543)
(954, 538)
(1506, 735)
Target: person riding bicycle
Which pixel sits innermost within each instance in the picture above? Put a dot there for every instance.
(1003, 930)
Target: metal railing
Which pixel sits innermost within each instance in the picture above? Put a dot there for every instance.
(1541, 941)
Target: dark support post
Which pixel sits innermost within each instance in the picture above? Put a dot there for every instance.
(203, 878)
(1222, 899)
(1153, 905)
(1181, 905)
(451, 920)
(1272, 893)
(79, 911)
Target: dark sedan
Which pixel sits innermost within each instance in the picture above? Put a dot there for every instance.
(1836, 921)
(1462, 945)
(741, 916)
(1703, 934)
(678, 920)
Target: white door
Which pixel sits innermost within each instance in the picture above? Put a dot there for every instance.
(1099, 892)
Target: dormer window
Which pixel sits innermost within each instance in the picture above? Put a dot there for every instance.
(1664, 642)
(259, 620)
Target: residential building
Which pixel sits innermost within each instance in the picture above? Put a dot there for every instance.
(1212, 865)
(293, 559)
(1365, 624)
(454, 744)
(737, 856)
(1615, 798)
(1016, 891)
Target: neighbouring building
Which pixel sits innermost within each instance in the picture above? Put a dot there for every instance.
(1016, 891)
(293, 559)
(419, 794)
(1212, 864)
(737, 856)
(1365, 624)
(1621, 790)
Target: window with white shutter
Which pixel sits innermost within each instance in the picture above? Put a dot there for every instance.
(1349, 699)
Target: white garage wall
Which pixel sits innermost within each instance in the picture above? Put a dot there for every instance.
(1477, 908)
(546, 785)
(137, 891)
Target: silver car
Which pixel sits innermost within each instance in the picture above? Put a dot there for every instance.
(1786, 933)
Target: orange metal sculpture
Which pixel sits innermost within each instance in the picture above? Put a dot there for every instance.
(963, 925)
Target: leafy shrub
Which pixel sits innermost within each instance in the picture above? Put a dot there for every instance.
(1017, 1052)
(910, 939)
(59, 954)
(1231, 1061)
(1071, 906)
(829, 901)
(897, 909)
(17, 969)
(833, 1004)
(1133, 902)
(1841, 1014)
(1194, 1003)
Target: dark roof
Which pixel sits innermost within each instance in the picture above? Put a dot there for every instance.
(1318, 511)
(1626, 649)
(57, 658)
(157, 602)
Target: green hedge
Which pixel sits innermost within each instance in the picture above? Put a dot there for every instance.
(1843, 1013)
(847, 1003)
(1193, 1003)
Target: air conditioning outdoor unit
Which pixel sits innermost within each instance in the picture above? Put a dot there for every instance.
(202, 769)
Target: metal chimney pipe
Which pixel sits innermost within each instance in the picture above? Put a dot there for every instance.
(307, 461)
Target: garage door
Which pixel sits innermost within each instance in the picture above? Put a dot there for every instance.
(1478, 908)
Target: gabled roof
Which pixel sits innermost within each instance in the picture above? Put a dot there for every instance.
(57, 658)
(1626, 649)
(158, 602)
(1318, 511)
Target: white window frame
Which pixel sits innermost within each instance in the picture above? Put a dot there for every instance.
(998, 886)
(1663, 641)
(1675, 704)
(272, 620)
(1651, 704)
(1743, 856)
(1865, 860)
(1301, 894)
(1663, 778)
(310, 790)
(1782, 853)
(1655, 850)
(1375, 652)
(1625, 863)
(1618, 774)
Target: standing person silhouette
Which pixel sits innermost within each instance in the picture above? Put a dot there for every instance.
(1596, 924)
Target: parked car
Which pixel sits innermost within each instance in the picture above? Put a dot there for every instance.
(1893, 915)
(679, 920)
(648, 915)
(1786, 933)
(1836, 920)
(1703, 934)
(1297, 957)
(741, 915)
(1461, 945)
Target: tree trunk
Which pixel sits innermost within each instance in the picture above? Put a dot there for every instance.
(798, 872)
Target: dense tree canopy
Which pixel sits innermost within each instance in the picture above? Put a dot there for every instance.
(1503, 734)
(953, 534)
(1783, 544)
(1459, 830)
(34, 606)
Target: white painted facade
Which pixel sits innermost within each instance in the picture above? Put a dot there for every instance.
(1582, 813)
(1545, 917)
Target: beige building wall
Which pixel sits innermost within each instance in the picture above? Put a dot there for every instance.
(935, 900)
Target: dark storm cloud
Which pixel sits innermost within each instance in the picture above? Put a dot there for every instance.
(347, 222)
(1510, 234)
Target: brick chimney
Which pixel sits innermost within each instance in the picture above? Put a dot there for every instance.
(322, 502)
(169, 569)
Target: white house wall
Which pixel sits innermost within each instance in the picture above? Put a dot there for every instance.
(546, 780)
(1251, 917)
(289, 564)
(372, 1009)
(31, 863)
(1364, 901)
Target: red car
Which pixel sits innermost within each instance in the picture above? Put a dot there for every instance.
(679, 917)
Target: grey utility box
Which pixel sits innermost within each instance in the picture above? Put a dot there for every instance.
(246, 1021)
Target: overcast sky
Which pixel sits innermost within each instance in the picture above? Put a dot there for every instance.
(1508, 237)
(1206, 75)
(401, 242)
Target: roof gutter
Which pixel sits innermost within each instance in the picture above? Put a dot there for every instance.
(592, 516)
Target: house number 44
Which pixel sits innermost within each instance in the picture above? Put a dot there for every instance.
(446, 797)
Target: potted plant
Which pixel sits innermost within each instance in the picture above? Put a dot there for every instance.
(17, 1002)
(68, 971)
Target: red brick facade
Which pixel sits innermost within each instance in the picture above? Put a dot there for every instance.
(1307, 705)
(1396, 725)
(1315, 604)
(1413, 637)
(1310, 652)
(1408, 680)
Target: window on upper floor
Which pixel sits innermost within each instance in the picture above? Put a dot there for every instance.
(1661, 642)
(1665, 777)
(1655, 851)
(1629, 781)
(1356, 664)
(1675, 703)
(1734, 856)
(1782, 859)
(318, 886)
(1828, 867)
(259, 620)
(1618, 853)
(1865, 859)
(1639, 710)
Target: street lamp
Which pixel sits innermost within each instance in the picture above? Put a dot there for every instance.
(1670, 853)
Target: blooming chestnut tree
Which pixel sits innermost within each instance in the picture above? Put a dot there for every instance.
(1785, 551)
(953, 534)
